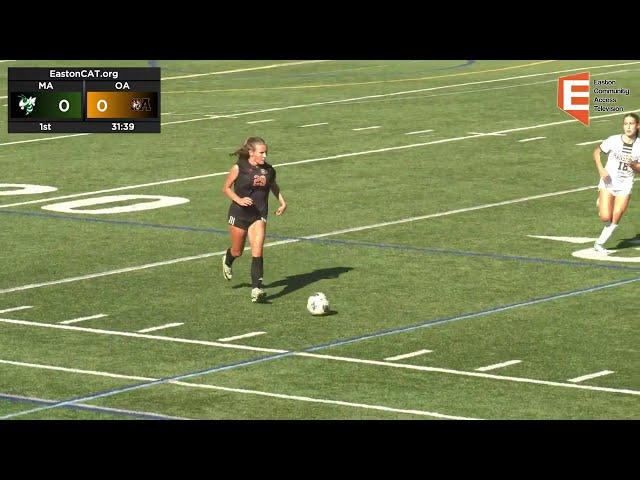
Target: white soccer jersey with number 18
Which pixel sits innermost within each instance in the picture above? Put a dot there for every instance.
(620, 156)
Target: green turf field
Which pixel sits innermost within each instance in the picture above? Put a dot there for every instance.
(417, 194)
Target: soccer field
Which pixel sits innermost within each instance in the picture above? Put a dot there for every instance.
(446, 209)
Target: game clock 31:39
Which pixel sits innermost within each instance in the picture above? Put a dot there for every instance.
(123, 126)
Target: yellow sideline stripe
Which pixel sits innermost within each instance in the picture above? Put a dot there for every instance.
(361, 83)
(277, 65)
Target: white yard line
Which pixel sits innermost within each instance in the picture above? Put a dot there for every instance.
(480, 134)
(404, 92)
(531, 139)
(81, 319)
(262, 121)
(75, 370)
(95, 407)
(449, 212)
(408, 355)
(419, 131)
(468, 374)
(210, 117)
(293, 240)
(314, 124)
(234, 390)
(332, 85)
(161, 327)
(367, 97)
(43, 139)
(137, 335)
(15, 309)
(136, 268)
(566, 239)
(590, 143)
(324, 401)
(590, 376)
(112, 272)
(299, 162)
(366, 128)
(263, 67)
(322, 356)
(498, 365)
(238, 337)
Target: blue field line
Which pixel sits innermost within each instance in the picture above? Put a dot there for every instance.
(502, 308)
(466, 253)
(137, 386)
(335, 343)
(112, 411)
(117, 222)
(332, 241)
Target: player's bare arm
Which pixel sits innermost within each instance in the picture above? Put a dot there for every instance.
(275, 189)
(601, 170)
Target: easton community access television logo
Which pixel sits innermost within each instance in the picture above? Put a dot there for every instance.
(573, 96)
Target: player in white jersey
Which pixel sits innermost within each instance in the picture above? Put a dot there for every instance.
(616, 178)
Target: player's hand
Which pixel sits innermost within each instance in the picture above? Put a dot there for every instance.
(245, 202)
(604, 175)
(280, 210)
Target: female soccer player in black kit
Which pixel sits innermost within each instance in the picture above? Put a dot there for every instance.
(251, 178)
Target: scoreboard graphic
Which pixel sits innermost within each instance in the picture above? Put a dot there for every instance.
(92, 100)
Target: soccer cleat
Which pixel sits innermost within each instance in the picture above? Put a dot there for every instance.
(258, 295)
(227, 273)
(599, 248)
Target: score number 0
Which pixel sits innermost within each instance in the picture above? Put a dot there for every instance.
(102, 105)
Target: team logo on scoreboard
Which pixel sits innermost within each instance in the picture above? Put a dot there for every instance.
(27, 104)
(141, 104)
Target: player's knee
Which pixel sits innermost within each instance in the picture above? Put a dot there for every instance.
(605, 217)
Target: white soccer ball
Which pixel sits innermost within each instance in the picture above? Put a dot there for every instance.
(317, 304)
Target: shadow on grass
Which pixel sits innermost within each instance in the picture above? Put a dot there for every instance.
(292, 283)
(629, 242)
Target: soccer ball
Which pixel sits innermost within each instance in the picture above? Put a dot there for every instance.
(317, 304)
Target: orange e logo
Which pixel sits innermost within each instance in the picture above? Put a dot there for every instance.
(573, 96)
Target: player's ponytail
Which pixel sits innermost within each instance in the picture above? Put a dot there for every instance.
(249, 144)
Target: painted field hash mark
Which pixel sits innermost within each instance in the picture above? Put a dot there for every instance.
(82, 319)
(498, 365)
(408, 355)
(591, 375)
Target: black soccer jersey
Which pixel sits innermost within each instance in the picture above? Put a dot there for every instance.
(255, 182)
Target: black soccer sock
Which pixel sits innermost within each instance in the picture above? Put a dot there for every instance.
(228, 258)
(256, 272)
